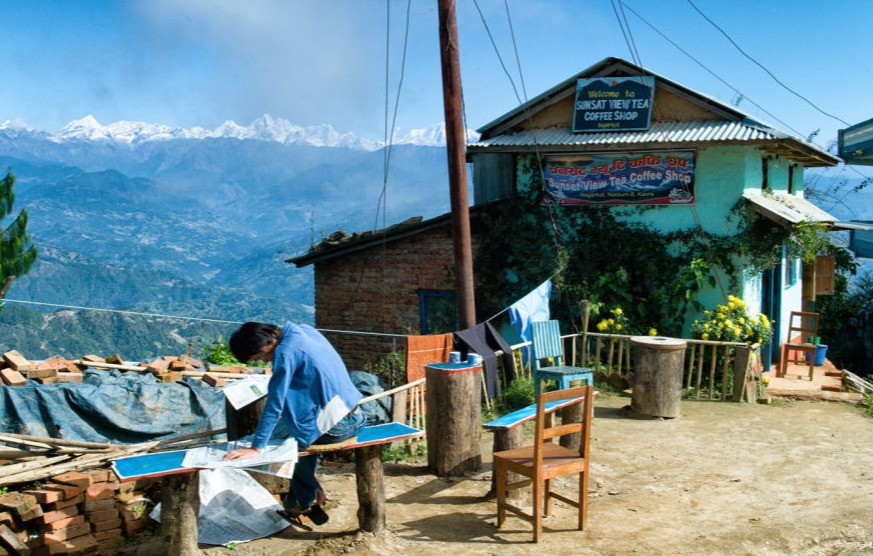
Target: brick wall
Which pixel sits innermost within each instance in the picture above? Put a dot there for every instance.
(375, 290)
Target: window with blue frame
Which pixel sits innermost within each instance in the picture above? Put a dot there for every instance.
(791, 264)
(438, 311)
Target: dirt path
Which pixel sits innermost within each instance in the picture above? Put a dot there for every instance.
(723, 479)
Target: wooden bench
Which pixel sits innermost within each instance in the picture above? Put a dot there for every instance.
(180, 486)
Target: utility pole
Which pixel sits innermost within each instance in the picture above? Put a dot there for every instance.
(454, 441)
(455, 142)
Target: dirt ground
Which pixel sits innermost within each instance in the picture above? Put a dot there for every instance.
(793, 477)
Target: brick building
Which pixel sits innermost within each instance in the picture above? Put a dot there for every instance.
(377, 287)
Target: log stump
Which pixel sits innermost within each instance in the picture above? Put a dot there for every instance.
(657, 387)
(370, 481)
(454, 426)
(180, 507)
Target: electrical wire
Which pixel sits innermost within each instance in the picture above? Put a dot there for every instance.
(768, 72)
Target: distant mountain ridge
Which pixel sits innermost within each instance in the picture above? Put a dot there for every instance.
(193, 222)
(264, 128)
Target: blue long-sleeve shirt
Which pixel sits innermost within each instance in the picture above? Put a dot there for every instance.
(310, 388)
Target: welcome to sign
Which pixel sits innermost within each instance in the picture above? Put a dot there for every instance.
(613, 104)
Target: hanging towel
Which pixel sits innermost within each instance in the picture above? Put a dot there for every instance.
(424, 350)
(485, 340)
(534, 307)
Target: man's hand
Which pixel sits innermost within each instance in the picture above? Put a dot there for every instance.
(242, 453)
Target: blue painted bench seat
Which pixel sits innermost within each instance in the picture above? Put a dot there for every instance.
(525, 414)
(141, 466)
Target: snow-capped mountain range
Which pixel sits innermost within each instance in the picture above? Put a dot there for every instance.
(265, 128)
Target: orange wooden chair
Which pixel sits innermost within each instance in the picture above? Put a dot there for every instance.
(546, 460)
(802, 332)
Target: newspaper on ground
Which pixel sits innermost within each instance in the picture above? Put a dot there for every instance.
(241, 393)
(234, 508)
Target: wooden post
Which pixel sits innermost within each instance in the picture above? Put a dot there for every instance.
(657, 388)
(454, 425)
(371, 488)
(180, 506)
(244, 420)
(741, 373)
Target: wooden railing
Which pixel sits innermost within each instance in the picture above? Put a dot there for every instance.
(712, 370)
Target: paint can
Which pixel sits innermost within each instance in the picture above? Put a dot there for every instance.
(455, 357)
(474, 359)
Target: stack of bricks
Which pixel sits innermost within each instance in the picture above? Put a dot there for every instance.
(15, 369)
(73, 513)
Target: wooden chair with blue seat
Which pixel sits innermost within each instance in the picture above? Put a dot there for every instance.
(546, 344)
(545, 460)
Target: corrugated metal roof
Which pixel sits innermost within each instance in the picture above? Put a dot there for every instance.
(661, 132)
(788, 209)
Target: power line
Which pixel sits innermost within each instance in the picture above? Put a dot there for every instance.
(768, 72)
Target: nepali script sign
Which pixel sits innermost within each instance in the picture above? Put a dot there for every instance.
(613, 104)
(653, 178)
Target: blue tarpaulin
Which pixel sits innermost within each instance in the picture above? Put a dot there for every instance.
(111, 406)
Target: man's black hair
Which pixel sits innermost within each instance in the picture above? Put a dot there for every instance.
(250, 339)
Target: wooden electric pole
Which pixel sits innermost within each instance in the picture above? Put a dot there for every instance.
(455, 143)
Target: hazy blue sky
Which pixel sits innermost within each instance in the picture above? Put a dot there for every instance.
(201, 62)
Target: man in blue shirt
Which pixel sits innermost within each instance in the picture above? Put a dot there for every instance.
(310, 390)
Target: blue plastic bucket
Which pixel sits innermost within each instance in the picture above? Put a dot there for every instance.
(820, 353)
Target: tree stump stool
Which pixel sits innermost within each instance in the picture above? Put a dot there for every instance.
(453, 418)
(657, 386)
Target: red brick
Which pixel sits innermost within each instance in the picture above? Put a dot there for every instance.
(97, 505)
(65, 503)
(132, 526)
(41, 373)
(93, 358)
(103, 515)
(106, 525)
(17, 502)
(6, 519)
(115, 359)
(75, 378)
(158, 366)
(57, 515)
(100, 475)
(57, 363)
(86, 544)
(74, 478)
(11, 540)
(106, 535)
(44, 496)
(11, 377)
(213, 380)
(64, 523)
(101, 491)
(17, 361)
(32, 513)
(68, 491)
(71, 532)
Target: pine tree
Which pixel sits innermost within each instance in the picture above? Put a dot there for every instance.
(17, 254)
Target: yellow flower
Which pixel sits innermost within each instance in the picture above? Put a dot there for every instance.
(617, 311)
(618, 327)
(704, 336)
(653, 332)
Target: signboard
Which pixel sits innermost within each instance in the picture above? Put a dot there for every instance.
(856, 144)
(613, 104)
(651, 178)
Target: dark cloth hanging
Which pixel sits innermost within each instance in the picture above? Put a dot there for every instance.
(484, 339)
